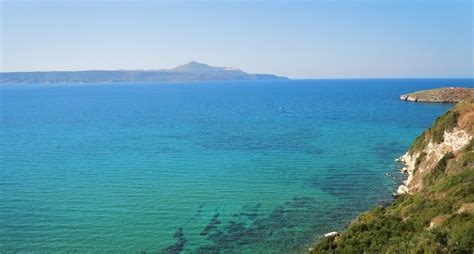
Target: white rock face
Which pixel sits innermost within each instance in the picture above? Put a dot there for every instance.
(409, 161)
(457, 139)
(331, 234)
(453, 142)
(407, 97)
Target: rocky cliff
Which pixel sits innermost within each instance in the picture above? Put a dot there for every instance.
(446, 138)
(434, 209)
(440, 95)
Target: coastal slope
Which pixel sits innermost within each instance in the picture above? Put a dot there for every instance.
(440, 95)
(434, 209)
(190, 72)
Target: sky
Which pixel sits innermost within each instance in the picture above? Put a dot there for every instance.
(298, 39)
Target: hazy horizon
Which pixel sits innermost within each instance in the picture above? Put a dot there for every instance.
(300, 40)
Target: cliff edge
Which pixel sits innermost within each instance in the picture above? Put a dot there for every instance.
(434, 209)
(440, 95)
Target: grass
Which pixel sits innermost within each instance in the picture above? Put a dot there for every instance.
(446, 122)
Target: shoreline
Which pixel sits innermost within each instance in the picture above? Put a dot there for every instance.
(407, 171)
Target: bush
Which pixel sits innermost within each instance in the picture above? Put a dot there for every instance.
(438, 170)
(446, 122)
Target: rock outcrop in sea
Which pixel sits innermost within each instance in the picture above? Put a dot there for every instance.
(440, 95)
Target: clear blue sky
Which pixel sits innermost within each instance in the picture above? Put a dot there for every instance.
(299, 39)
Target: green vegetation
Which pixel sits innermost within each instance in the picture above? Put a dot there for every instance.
(446, 122)
(370, 232)
(419, 143)
(438, 170)
(438, 218)
(404, 227)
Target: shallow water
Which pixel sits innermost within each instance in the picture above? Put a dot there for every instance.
(239, 167)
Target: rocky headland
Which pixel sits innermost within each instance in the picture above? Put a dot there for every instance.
(433, 211)
(440, 95)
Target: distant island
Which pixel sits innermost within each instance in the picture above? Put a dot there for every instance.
(440, 95)
(192, 71)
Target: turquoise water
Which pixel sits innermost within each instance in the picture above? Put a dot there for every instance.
(249, 167)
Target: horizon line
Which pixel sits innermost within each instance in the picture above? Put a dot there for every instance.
(291, 78)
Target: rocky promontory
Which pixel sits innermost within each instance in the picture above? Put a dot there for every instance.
(440, 95)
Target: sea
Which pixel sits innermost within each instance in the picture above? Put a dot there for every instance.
(204, 167)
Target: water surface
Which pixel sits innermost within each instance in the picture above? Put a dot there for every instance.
(240, 167)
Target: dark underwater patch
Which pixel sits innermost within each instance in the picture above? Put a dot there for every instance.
(390, 150)
(212, 225)
(253, 226)
(344, 182)
(250, 226)
(296, 140)
(178, 246)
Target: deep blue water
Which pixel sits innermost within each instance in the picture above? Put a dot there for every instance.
(240, 167)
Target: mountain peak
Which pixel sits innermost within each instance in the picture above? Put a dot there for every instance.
(194, 62)
(195, 67)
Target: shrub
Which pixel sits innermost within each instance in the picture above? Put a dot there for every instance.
(446, 122)
(419, 143)
(438, 170)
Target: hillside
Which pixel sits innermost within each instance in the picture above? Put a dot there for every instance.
(434, 212)
(440, 95)
(189, 72)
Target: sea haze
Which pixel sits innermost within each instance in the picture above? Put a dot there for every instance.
(254, 166)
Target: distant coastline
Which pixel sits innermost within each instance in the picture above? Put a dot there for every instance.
(190, 72)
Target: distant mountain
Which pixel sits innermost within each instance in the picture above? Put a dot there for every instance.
(195, 67)
(192, 71)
